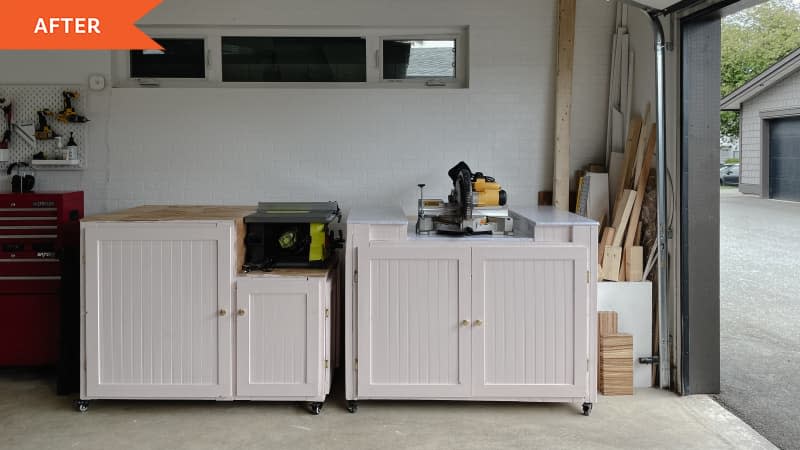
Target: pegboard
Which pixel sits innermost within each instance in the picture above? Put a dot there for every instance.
(26, 100)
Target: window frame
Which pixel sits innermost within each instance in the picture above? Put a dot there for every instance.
(203, 39)
(458, 81)
(121, 64)
(293, 84)
(373, 36)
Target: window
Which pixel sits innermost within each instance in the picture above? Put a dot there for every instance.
(419, 58)
(203, 56)
(181, 58)
(294, 59)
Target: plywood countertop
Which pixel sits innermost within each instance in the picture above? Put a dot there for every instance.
(161, 213)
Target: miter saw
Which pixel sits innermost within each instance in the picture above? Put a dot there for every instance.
(476, 205)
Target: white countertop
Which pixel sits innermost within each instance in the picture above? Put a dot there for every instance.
(538, 215)
(377, 215)
(433, 236)
(550, 216)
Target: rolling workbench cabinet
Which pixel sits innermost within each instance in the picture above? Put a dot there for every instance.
(485, 318)
(165, 314)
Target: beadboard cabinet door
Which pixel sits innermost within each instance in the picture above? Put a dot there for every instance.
(158, 310)
(530, 322)
(413, 322)
(280, 345)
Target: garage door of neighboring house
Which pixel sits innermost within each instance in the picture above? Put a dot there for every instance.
(784, 159)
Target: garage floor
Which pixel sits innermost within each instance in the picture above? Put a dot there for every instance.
(32, 417)
(759, 312)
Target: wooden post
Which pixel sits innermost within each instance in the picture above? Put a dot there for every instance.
(564, 63)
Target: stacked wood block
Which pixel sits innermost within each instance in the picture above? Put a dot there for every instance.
(615, 357)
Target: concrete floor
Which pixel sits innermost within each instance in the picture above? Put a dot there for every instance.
(32, 417)
(760, 312)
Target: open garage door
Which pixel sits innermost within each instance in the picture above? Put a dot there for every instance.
(784, 159)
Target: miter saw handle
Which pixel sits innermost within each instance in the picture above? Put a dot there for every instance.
(457, 169)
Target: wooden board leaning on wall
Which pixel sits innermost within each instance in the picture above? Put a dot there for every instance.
(621, 256)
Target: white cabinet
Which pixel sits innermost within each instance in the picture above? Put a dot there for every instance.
(529, 310)
(471, 318)
(166, 317)
(282, 338)
(157, 300)
(411, 340)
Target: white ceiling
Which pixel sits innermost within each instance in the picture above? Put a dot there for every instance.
(658, 4)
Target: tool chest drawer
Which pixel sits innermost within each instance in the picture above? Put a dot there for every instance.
(37, 233)
(17, 267)
(30, 342)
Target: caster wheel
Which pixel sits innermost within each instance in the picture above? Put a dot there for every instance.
(587, 409)
(315, 408)
(352, 406)
(81, 405)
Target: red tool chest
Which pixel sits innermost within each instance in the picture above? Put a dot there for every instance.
(38, 233)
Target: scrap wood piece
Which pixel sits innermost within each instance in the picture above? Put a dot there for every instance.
(607, 322)
(564, 68)
(634, 269)
(640, 189)
(629, 197)
(630, 156)
(612, 259)
(614, 173)
(644, 136)
(608, 236)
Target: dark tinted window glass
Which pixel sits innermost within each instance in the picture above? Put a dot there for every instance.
(419, 59)
(284, 59)
(181, 58)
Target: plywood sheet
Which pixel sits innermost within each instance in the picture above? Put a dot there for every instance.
(158, 213)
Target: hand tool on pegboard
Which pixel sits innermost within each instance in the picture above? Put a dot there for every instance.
(68, 114)
(43, 130)
(5, 105)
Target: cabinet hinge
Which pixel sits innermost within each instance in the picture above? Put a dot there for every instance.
(588, 365)
(355, 276)
(327, 313)
(326, 363)
(355, 366)
(588, 276)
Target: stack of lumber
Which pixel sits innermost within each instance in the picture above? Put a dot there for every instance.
(615, 357)
(621, 255)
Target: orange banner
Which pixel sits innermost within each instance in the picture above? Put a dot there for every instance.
(74, 25)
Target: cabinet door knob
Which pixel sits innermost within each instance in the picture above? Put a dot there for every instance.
(241, 312)
(223, 312)
(465, 323)
(478, 323)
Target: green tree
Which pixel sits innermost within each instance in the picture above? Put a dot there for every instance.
(752, 41)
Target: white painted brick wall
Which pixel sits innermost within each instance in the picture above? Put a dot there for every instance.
(357, 146)
(785, 94)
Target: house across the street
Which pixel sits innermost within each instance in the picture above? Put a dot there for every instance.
(770, 130)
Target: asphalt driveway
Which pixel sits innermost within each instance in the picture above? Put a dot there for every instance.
(760, 314)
